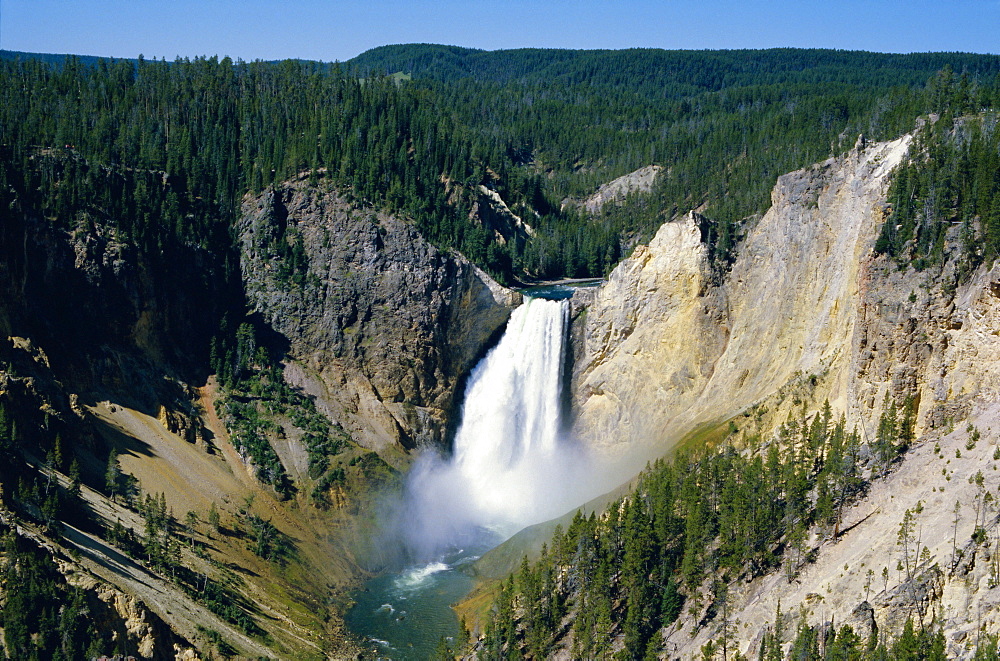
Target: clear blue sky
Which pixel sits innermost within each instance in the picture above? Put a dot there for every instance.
(338, 30)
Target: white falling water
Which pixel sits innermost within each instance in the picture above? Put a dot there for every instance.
(509, 468)
(511, 415)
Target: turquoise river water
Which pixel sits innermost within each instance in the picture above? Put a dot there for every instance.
(403, 616)
(508, 469)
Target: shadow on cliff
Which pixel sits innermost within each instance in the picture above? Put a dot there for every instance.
(455, 414)
(117, 318)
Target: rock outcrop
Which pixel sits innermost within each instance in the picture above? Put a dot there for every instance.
(388, 322)
(788, 310)
(616, 190)
(808, 313)
(490, 211)
(650, 340)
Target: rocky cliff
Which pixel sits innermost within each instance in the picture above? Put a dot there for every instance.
(104, 332)
(808, 313)
(616, 190)
(650, 339)
(389, 323)
(112, 315)
(490, 211)
(788, 310)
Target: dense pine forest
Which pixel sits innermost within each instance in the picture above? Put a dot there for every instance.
(724, 123)
(164, 150)
(697, 525)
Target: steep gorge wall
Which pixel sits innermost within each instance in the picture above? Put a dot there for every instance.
(665, 352)
(662, 352)
(111, 314)
(388, 322)
(810, 312)
(649, 340)
(104, 329)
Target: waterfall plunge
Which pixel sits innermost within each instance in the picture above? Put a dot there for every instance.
(510, 467)
(511, 414)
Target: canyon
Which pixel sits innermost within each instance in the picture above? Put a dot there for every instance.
(382, 329)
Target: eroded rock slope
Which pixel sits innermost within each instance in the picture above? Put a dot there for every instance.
(387, 321)
(811, 313)
(665, 352)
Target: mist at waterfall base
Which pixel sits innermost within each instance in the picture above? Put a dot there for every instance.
(513, 464)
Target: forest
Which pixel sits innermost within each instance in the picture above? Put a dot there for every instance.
(950, 186)
(698, 524)
(164, 151)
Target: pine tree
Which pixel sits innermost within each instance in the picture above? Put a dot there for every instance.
(113, 475)
(907, 645)
(74, 479)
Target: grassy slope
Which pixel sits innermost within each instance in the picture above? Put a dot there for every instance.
(291, 602)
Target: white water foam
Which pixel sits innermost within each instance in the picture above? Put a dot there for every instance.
(510, 466)
(416, 577)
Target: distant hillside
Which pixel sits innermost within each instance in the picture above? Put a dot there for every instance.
(657, 73)
(50, 58)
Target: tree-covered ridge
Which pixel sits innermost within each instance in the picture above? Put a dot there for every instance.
(949, 188)
(165, 150)
(667, 74)
(48, 58)
(751, 116)
(162, 152)
(255, 396)
(43, 616)
(693, 526)
(52, 468)
(218, 129)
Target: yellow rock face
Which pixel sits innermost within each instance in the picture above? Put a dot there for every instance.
(810, 313)
(666, 352)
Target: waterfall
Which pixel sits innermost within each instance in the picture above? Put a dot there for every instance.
(510, 467)
(511, 414)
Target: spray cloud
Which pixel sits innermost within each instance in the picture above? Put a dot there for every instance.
(512, 465)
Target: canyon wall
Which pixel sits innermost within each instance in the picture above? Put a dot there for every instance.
(666, 352)
(389, 323)
(811, 313)
(113, 315)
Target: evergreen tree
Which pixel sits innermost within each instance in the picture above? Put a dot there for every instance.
(113, 475)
